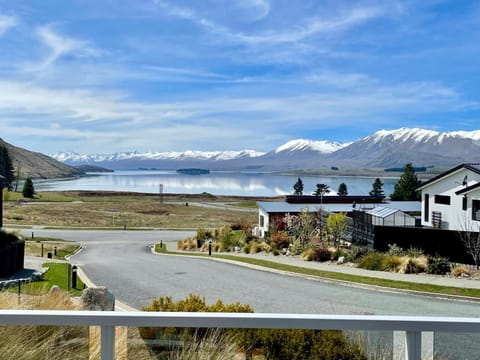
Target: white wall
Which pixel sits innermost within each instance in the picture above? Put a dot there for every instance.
(453, 216)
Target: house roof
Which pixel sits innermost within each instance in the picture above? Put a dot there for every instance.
(283, 207)
(468, 189)
(469, 166)
(384, 212)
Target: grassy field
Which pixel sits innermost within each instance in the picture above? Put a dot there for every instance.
(116, 210)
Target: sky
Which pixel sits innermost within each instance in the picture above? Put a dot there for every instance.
(109, 76)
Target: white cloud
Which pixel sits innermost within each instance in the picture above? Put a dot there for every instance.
(6, 23)
(59, 46)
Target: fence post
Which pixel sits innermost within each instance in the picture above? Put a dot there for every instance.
(107, 343)
(413, 345)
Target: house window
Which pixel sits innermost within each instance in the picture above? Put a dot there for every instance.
(464, 203)
(262, 220)
(426, 209)
(476, 210)
(442, 199)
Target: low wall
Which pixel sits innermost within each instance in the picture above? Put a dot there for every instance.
(434, 242)
(12, 258)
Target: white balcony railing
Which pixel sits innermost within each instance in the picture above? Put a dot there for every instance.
(410, 325)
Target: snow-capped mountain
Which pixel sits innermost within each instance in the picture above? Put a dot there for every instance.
(384, 148)
(323, 146)
(393, 148)
(77, 159)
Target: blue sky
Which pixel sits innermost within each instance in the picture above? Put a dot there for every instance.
(163, 75)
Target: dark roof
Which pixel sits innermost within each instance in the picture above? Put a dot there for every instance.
(469, 166)
(333, 199)
(468, 189)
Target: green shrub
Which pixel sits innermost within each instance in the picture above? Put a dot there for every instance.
(438, 266)
(341, 253)
(414, 252)
(373, 261)
(284, 344)
(279, 344)
(395, 250)
(247, 247)
(358, 252)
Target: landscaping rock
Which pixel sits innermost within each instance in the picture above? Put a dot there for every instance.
(98, 299)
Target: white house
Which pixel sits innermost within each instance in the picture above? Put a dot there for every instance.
(451, 200)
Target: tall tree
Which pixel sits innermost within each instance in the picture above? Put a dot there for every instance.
(321, 190)
(377, 188)
(405, 187)
(336, 224)
(6, 167)
(28, 189)
(342, 189)
(298, 187)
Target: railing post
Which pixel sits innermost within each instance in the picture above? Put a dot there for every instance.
(107, 343)
(413, 345)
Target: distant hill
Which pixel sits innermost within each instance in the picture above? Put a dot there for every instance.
(92, 168)
(383, 149)
(36, 165)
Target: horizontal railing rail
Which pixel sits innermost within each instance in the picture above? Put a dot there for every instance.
(412, 326)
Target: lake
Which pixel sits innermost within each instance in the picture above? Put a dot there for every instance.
(217, 183)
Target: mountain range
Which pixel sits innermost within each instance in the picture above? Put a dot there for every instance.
(384, 148)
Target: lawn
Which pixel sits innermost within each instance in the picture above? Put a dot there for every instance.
(57, 274)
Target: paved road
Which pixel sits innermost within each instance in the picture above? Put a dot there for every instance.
(122, 261)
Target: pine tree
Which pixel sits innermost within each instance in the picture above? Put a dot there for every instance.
(321, 190)
(377, 188)
(6, 167)
(298, 187)
(28, 189)
(342, 190)
(405, 188)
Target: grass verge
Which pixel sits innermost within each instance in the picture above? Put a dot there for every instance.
(57, 274)
(385, 283)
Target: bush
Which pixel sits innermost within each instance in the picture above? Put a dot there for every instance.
(247, 247)
(392, 263)
(438, 266)
(308, 255)
(373, 261)
(279, 240)
(283, 344)
(395, 250)
(341, 253)
(358, 252)
(322, 254)
(415, 252)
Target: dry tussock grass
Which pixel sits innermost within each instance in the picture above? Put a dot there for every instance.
(59, 343)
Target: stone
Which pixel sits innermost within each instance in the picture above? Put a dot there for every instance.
(54, 289)
(98, 299)
(341, 260)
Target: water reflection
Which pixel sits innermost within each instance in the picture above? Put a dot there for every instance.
(218, 183)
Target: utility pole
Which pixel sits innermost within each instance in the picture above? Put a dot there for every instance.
(160, 192)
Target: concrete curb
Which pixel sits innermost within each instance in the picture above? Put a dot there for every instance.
(328, 280)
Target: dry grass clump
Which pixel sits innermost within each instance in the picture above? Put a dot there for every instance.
(29, 342)
(461, 271)
(308, 254)
(413, 265)
(187, 244)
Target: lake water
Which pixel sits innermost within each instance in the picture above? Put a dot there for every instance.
(217, 183)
